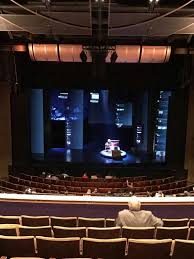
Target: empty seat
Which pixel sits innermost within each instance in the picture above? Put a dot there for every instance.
(104, 248)
(172, 233)
(58, 247)
(9, 220)
(191, 233)
(112, 232)
(35, 221)
(9, 229)
(17, 246)
(91, 222)
(69, 232)
(175, 222)
(35, 231)
(110, 223)
(183, 249)
(138, 233)
(191, 222)
(64, 221)
(147, 248)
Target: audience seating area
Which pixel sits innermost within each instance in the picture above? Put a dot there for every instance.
(72, 237)
(79, 186)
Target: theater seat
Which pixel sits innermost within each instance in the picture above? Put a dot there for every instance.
(69, 232)
(104, 248)
(58, 247)
(183, 249)
(175, 222)
(191, 233)
(112, 232)
(64, 221)
(10, 220)
(9, 229)
(138, 233)
(35, 221)
(91, 222)
(35, 231)
(147, 248)
(110, 223)
(172, 232)
(17, 246)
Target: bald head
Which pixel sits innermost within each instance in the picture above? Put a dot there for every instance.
(134, 205)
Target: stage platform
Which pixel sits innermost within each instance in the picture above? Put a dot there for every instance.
(91, 206)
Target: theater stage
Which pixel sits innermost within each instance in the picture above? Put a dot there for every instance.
(91, 206)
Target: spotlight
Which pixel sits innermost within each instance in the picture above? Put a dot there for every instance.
(113, 57)
(83, 56)
(152, 4)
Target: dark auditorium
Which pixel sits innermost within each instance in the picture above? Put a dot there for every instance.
(96, 129)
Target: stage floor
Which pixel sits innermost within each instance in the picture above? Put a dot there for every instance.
(90, 156)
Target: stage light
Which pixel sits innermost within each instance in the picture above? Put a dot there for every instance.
(83, 56)
(113, 57)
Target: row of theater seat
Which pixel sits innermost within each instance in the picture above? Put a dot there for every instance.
(21, 184)
(28, 220)
(35, 221)
(120, 248)
(138, 181)
(100, 233)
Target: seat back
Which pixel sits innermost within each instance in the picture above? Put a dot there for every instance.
(191, 233)
(91, 222)
(35, 231)
(175, 222)
(183, 249)
(17, 246)
(35, 221)
(110, 223)
(9, 229)
(64, 221)
(191, 222)
(138, 233)
(172, 232)
(69, 232)
(147, 248)
(104, 248)
(104, 233)
(58, 247)
(9, 220)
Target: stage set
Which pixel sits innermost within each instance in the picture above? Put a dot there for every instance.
(90, 206)
(99, 126)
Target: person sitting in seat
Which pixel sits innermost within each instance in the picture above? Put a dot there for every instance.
(159, 194)
(135, 217)
(85, 176)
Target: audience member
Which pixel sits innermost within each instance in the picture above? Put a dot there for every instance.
(159, 194)
(135, 217)
(130, 188)
(95, 191)
(94, 177)
(54, 177)
(85, 176)
(48, 176)
(108, 176)
(89, 192)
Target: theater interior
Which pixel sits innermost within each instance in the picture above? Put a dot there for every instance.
(96, 109)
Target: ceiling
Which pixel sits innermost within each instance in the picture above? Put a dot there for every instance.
(97, 22)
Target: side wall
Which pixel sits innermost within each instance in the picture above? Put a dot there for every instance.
(189, 154)
(5, 129)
